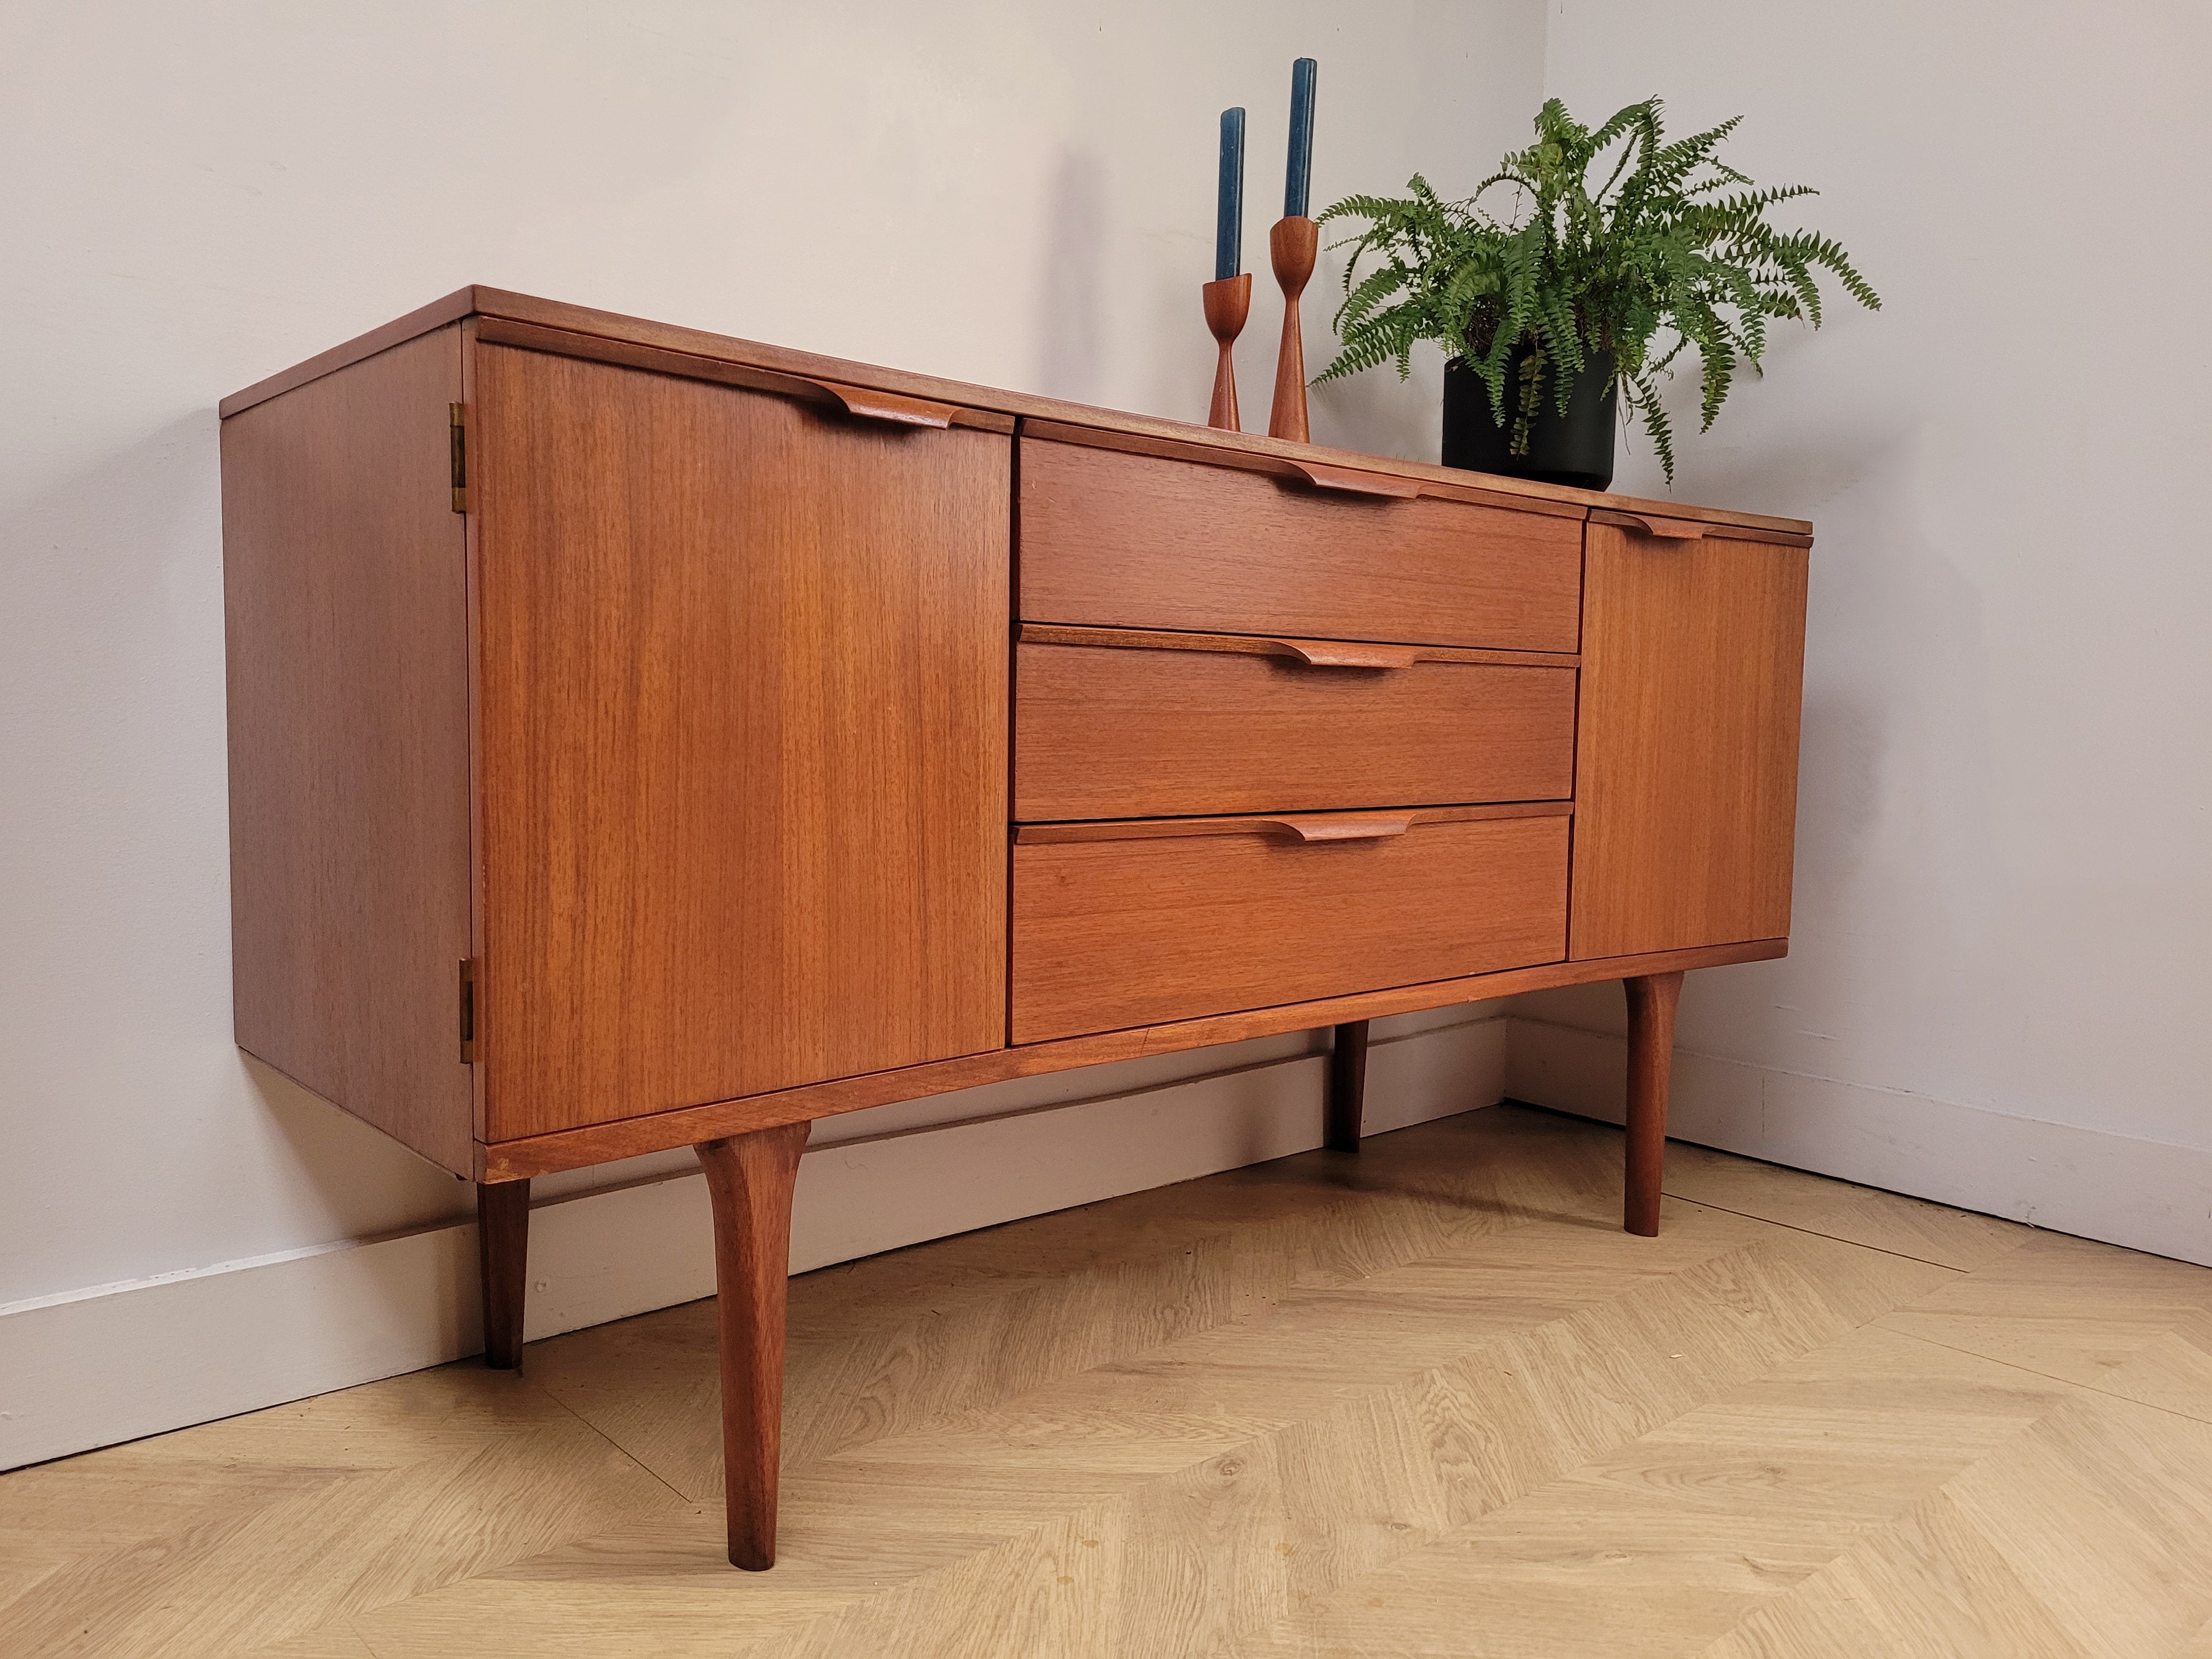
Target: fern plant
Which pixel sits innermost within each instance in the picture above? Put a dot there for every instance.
(1619, 243)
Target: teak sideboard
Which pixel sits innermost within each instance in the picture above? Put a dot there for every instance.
(640, 737)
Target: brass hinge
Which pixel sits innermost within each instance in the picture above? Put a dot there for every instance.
(459, 413)
(468, 1010)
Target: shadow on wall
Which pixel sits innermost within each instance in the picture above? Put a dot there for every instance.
(1897, 789)
(1895, 782)
(332, 1149)
(117, 901)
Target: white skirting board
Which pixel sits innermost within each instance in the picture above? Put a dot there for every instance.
(2144, 1194)
(116, 1362)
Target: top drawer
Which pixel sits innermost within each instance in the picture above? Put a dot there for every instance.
(1120, 540)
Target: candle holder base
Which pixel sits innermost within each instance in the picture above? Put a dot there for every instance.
(1292, 246)
(1228, 302)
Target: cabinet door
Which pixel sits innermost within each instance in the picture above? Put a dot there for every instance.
(1685, 759)
(743, 763)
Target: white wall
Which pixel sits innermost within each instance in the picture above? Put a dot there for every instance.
(195, 197)
(2004, 853)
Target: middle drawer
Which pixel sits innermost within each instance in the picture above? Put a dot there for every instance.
(1118, 724)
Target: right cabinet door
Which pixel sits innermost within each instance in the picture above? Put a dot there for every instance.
(1686, 763)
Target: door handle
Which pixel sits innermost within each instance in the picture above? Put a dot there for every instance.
(1348, 653)
(1351, 482)
(1340, 826)
(886, 406)
(1317, 653)
(1305, 828)
(1669, 530)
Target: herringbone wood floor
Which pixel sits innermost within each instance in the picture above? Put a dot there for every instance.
(1427, 1402)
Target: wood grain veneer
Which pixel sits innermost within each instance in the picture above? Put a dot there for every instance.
(1123, 932)
(602, 1143)
(1305, 464)
(1114, 540)
(744, 716)
(1110, 729)
(1687, 755)
(593, 331)
(345, 612)
(825, 393)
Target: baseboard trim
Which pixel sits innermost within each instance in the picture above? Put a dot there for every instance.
(2141, 1193)
(116, 1362)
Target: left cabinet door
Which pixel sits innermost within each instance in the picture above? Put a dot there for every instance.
(743, 741)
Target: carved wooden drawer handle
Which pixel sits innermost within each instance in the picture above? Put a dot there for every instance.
(1671, 530)
(888, 406)
(1350, 826)
(1346, 654)
(1316, 653)
(1352, 482)
(1307, 826)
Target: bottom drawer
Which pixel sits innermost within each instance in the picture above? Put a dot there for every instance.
(1143, 923)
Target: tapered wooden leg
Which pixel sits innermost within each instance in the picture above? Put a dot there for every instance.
(1348, 1087)
(503, 1264)
(1651, 999)
(749, 1178)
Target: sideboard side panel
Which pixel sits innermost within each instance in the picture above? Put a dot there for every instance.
(1686, 773)
(743, 671)
(345, 603)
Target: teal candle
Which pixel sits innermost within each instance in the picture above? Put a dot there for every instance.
(1229, 220)
(1297, 184)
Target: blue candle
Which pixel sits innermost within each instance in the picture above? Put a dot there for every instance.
(1298, 185)
(1229, 225)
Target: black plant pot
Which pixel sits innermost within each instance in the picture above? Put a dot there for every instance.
(1574, 448)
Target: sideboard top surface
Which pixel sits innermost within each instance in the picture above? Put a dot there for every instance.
(476, 300)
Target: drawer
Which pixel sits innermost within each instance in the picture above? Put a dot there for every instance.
(1117, 925)
(1115, 540)
(1113, 724)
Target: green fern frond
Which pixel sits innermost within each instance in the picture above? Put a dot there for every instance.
(1672, 252)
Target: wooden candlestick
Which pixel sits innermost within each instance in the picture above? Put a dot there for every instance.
(1292, 245)
(1228, 302)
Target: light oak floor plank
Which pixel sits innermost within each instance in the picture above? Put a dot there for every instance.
(242, 1533)
(1428, 1401)
(2138, 1326)
(1862, 1215)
